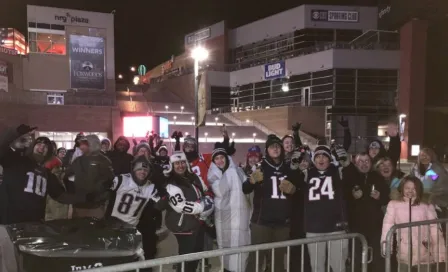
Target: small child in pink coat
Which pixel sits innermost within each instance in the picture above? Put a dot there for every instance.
(431, 247)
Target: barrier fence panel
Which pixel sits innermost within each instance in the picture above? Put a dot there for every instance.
(316, 242)
(416, 246)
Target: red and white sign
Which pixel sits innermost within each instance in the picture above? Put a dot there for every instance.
(8, 51)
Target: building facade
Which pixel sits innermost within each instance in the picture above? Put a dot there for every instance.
(422, 97)
(331, 57)
(65, 84)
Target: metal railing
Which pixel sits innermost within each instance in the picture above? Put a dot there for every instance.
(247, 63)
(432, 250)
(220, 253)
(40, 98)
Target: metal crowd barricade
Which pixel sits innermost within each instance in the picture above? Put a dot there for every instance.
(426, 230)
(181, 259)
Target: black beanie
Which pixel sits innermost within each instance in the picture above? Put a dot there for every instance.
(273, 139)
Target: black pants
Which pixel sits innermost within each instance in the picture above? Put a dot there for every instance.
(296, 260)
(378, 262)
(190, 243)
(149, 242)
(263, 234)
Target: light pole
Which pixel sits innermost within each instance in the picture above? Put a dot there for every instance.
(136, 80)
(198, 54)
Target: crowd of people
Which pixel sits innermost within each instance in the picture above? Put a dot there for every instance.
(285, 192)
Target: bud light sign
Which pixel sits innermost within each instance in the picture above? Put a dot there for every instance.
(274, 70)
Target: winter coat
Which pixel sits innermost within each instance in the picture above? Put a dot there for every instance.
(232, 212)
(92, 174)
(121, 160)
(435, 183)
(366, 213)
(398, 213)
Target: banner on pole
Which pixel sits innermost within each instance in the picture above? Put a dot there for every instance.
(202, 99)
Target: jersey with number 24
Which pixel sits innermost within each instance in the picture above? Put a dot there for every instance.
(324, 200)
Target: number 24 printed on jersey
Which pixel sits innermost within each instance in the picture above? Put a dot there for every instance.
(321, 188)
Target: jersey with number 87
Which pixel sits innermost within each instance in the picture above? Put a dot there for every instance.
(131, 199)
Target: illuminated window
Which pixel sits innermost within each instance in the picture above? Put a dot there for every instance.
(55, 99)
(137, 126)
(46, 38)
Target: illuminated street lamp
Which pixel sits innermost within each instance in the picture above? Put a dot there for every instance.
(120, 76)
(175, 118)
(132, 69)
(205, 134)
(199, 53)
(182, 109)
(166, 107)
(136, 80)
(216, 120)
(254, 135)
(233, 136)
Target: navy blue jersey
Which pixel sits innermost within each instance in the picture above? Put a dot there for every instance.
(325, 208)
(24, 189)
(271, 207)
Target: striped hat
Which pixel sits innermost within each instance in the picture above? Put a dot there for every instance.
(219, 150)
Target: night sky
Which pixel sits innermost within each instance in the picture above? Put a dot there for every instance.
(150, 31)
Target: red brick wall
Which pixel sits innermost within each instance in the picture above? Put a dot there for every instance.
(63, 118)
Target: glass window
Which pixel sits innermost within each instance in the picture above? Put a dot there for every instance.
(50, 43)
(66, 139)
(55, 99)
(46, 38)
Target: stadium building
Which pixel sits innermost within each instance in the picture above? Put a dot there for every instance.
(310, 64)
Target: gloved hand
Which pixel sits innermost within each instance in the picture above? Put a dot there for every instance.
(208, 204)
(231, 149)
(296, 159)
(343, 122)
(24, 129)
(296, 127)
(341, 155)
(287, 187)
(256, 176)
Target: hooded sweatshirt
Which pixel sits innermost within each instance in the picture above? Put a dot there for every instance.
(121, 160)
(93, 174)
